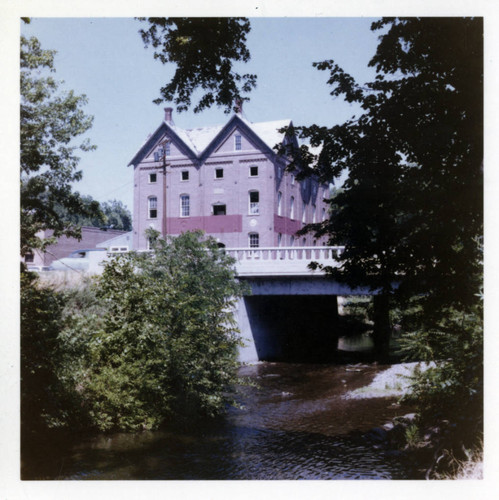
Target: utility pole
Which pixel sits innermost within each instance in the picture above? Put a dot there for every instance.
(164, 228)
(160, 155)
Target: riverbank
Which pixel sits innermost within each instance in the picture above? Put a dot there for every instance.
(430, 444)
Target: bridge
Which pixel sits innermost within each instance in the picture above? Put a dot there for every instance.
(292, 310)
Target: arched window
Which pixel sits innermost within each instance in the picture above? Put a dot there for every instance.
(304, 213)
(254, 240)
(314, 213)
(279, 239)
(254, 203)
(152, 207)
(292, 208)
(185, 208)
(291, 241)
(279, 203)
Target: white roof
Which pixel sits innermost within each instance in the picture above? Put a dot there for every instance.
(269, 131)
(198, 139)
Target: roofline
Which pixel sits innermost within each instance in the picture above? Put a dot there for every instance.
(137, 158)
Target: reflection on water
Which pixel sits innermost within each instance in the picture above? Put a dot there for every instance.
(294, 425)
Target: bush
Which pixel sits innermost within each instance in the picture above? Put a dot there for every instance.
(452, 390)
(164, 343)
(43, 399)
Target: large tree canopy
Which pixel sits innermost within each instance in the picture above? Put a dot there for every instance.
(204, 50)
(50, 121)
(411, 209)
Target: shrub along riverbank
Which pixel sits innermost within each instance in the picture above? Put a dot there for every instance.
(150, 340)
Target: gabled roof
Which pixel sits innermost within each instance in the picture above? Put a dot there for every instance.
(201, 141)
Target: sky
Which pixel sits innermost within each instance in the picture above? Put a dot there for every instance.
(105, 59)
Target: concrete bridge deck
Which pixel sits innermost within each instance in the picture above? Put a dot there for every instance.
(283, 261)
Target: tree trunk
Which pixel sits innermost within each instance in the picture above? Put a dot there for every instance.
(382, 329)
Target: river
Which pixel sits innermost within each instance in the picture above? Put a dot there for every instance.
(294, 424)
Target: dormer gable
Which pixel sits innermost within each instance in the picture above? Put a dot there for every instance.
(237, 134)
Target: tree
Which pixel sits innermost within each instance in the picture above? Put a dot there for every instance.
(117, 215)
(50, 121)
(112, 214)
(164, 343)
(414, 158)
(204, 50)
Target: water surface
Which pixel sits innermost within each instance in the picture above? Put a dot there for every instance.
(294, 424)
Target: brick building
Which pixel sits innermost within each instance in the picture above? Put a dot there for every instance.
(91, 237)
(226, 180)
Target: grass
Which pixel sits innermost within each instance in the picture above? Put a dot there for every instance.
(470, 468)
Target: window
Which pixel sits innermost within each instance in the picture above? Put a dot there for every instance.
(162, 152)
(29, 257)
(237, 143)
(219, 209)
(184, 175)
(153, 207)
(304, 213)
(292, 179)
(291, 241)
(185, 208)
(323, 214)
(153, 178)
(118, 249)
(279, 239)
(292, 208)
(253, 171)
(254, 240)
(219, 173)
(304, 242)
(279, 203)
(254, 202)
(314, 214)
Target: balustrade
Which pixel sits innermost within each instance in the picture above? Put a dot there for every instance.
(285, 253)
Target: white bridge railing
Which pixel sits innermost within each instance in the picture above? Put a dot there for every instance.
(282, 260)
(285, 253)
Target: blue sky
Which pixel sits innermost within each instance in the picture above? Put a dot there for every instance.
(105, 59)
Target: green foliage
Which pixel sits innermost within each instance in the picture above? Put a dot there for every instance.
(154, 338)
(117, 215)
(42, 398)
(453, 388)
(204, 51)
(111, 214)
(50, 121)
(412, 436)
(411, 206)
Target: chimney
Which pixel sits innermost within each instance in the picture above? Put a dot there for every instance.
(168, 115)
